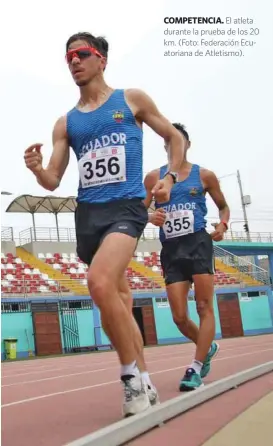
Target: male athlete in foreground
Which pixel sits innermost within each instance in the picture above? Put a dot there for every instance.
(187, 255)
(105, 131)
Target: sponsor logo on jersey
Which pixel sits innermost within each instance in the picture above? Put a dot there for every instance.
(193, 191)
(118, 116)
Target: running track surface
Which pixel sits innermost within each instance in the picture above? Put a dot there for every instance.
(57, 400)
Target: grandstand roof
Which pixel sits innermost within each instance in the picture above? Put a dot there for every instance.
(42, 205)
(46, 205)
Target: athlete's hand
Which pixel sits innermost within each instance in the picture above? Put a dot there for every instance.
(33, 158)
(158, 217)
(218, 234)
(162, 189)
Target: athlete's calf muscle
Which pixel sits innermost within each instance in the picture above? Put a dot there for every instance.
(125, 293)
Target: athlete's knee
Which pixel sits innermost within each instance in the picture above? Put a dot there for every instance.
(204, 307)
(99, 286)
(180, 319)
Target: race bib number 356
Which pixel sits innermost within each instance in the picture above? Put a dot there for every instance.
(103, 166)
(178, 223)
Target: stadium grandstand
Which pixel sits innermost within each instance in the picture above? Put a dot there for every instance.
(43, 261)
(46, 304)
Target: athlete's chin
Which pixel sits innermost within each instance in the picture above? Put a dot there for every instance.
(81, 82)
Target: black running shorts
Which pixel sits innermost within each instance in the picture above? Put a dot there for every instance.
(94, 221)
(183, 257)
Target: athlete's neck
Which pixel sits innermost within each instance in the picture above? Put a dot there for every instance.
(94, 93)
(185, 165)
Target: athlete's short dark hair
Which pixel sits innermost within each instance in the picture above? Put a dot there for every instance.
(100, 43)
(181, 129)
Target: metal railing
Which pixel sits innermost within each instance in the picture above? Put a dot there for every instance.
(7, 234)
(52, 289)
(260, 237)
(50, 234)
(243, 266)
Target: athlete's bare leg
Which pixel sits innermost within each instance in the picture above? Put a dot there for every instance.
(127, 298)
(206, 348)
(178, 299)
(202, 336)
(103, 282)
(203, 290)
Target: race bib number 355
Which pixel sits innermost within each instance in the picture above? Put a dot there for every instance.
(103, 166)
(178, 223)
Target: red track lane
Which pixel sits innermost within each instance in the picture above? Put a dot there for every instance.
(54, 401)
(209, 417)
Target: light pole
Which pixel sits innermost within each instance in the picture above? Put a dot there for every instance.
(245, 200)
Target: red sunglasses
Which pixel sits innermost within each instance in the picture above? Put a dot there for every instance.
(82, 53)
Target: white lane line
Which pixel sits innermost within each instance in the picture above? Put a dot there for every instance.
(56, 377)
(121, 432)
(115, 361)
(176, 357)
(71, 359)
(86, 364)
(149, 352)
(63, 392)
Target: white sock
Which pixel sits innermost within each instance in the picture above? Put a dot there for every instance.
(146, 378)
(197, 366)
(129, 369)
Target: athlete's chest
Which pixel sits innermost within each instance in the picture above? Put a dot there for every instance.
(100, 127)
(182, 210)
(187, 191)
(104, 150)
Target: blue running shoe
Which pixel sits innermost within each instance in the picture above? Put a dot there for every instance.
(211, 354)
(190, 381)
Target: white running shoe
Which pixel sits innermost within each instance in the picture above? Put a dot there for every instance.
(136, 399)
(153, 395)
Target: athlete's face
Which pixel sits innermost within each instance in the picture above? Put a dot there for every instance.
(166, 145)
(84, 62)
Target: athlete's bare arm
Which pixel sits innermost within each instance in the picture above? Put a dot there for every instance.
(50, 177)
(212, 187)
(156, 217)
(149, 182)
(147, 112)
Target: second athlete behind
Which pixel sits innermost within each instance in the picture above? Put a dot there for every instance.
(187, 254)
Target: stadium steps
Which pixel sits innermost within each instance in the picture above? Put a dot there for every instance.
(147, 272)
(71, 284)
(232, 271)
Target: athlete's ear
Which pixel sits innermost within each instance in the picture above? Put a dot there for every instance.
(103, 64)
